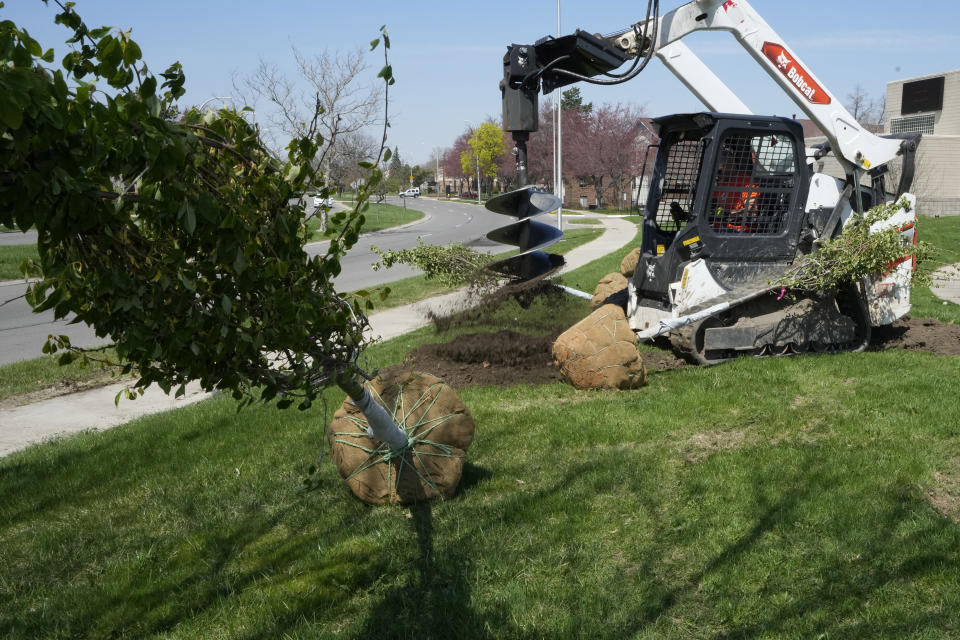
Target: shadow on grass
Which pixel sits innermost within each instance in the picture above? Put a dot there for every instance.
(832, 595)
(435, 600)
(183, 558)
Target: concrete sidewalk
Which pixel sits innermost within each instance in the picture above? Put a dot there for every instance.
(946, 283)
(95, 409)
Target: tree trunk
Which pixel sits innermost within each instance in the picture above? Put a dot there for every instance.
(382, 427)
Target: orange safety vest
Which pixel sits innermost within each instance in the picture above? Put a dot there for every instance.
(735, 201)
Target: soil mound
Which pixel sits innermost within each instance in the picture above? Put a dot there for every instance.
(918, 334)
(504, 357)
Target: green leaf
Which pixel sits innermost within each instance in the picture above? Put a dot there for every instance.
(240, 262)
(374, 43)
(189, 217)
(149, 87)
(131, 52)
(10, 114)
(293, 172)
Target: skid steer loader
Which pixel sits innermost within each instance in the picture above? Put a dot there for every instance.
(732, 200)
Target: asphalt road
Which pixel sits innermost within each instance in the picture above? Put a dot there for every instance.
(8, 238)
(22, 332)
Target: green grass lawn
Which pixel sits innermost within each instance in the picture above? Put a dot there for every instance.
(377, 218)
(42, 373)
(11, 257)
(764, 498)
(944, 235)
(705, 505)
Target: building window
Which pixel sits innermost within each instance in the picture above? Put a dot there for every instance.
(914, 124)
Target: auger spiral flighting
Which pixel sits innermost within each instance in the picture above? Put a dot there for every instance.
(527, 234)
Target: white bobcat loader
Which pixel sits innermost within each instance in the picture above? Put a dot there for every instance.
(733, 201)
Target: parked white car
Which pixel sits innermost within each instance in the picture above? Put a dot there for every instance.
(319, 201)
(413, 192)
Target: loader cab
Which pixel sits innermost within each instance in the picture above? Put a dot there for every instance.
(729, 189)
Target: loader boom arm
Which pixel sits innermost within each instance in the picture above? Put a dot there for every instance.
(700, 80)
(856, 148)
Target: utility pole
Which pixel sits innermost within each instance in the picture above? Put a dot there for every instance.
(559, 190)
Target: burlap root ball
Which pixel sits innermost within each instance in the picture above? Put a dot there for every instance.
(600, 352)
(431, 413)
(629, 263)
(608, 285)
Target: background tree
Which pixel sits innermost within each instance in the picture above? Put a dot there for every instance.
(332, 89)
(618, 146)
(484, 150)
(351, 152)
(452, 166)
(571, 100)
(865, 108)
(507, 165)
(580, 157)
(541, 148)
(395, 169)
(420, 174)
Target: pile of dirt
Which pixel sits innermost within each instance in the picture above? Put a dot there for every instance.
(503, 358)
(918, 334)
(506, 357)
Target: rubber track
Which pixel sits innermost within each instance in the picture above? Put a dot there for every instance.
(682, 341)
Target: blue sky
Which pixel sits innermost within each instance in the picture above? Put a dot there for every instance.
(447, 56)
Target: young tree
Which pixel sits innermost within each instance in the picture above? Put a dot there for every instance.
(174, 239)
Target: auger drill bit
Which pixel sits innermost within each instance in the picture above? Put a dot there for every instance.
(527, 234)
